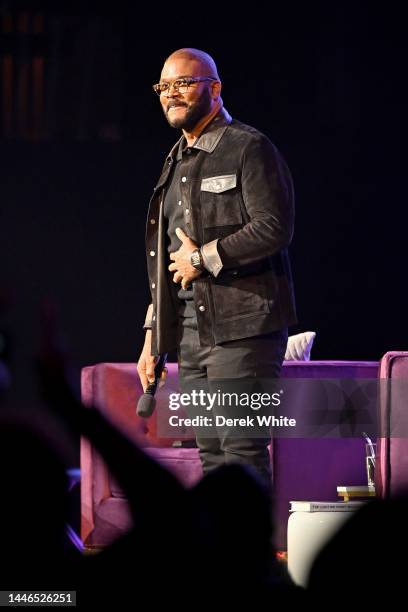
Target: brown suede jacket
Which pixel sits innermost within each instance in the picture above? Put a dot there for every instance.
(239, 192)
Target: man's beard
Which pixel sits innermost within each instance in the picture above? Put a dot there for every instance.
(193, 114)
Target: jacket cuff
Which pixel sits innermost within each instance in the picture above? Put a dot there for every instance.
(211, 258)
(148, 319)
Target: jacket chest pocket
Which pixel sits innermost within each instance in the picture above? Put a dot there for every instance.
(220, 201)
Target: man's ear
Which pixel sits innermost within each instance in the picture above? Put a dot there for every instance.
(216, 87)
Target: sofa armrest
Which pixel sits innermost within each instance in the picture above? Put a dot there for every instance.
(391, 473)
(93, 490)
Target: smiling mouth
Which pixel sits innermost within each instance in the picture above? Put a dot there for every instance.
(175, 108)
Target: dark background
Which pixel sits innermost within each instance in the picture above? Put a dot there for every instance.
(83, 139)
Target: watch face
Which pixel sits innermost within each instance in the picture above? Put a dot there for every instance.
(196, 259)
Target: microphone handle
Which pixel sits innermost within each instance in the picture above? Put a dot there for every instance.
(158, 369)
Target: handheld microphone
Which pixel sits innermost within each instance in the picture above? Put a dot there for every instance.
(147, 403)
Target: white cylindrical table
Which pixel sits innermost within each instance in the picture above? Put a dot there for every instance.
(308, 532)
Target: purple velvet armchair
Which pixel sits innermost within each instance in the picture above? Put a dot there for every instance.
(392, 450)
(304, 469)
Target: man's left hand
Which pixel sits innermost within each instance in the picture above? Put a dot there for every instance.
(182, 267)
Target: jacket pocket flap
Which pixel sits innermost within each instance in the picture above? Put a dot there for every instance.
(218, 184)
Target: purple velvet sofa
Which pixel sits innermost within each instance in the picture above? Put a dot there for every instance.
(303, 469)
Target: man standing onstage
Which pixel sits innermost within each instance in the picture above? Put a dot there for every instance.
(219, 223)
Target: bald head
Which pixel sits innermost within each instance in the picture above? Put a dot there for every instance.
(201, 59)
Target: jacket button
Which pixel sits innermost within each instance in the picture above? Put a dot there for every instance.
(183, 179)
(153, 285)
(152, 221)
(152, 253)
(179, 202)
(187, 211)
(201, 308)
(154, 317)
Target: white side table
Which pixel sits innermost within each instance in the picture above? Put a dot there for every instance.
(308, 532)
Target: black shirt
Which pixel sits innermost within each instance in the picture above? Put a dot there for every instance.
(176, 216)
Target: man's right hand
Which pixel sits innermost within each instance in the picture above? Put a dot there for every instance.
(147, 362)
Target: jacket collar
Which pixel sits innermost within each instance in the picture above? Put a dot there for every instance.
(209, 138)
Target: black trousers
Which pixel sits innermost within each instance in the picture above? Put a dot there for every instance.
(256, 357)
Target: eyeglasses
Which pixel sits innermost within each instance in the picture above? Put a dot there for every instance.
(180, 85)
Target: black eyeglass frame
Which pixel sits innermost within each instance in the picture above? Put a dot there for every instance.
(186, 81)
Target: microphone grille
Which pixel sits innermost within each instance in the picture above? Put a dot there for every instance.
(145, 405)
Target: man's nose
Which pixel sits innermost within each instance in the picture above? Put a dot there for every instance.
(172, 91)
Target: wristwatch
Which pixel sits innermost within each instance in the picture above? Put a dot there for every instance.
(197, 260)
